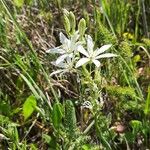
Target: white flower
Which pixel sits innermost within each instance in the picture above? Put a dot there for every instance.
(91, 55)
(65, 66)
(68, 47)
(87, 104)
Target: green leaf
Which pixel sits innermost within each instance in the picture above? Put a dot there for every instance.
(33, 147)
(121, 91)
(147, 105)
(136, 125)
(46, 138)
(86, 147)
(31, 86)
(29, 106)
(57, 115)
(5, 108)
(136, 58)
(70, 118)
(19, 3)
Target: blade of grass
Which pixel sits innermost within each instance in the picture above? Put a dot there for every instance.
(106, 16)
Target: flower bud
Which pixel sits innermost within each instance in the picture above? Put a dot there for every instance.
(82, 26)
(67, 24)
(72, 22)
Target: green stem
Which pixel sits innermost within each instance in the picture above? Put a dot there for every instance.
(137, 20)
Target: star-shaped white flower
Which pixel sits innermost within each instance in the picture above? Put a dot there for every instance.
(68, 47)
(91, 54)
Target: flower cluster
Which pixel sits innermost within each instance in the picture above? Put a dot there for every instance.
(71, 49)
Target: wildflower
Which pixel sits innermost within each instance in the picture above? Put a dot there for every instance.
(87, 105)
(65, 66)
(91, 54)
(68, 47)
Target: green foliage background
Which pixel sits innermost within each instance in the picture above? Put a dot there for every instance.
(42, 112)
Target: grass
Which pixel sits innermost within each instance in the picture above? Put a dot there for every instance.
(87, 107)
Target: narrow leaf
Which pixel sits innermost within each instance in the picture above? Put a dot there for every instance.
(29, 106)
(32, 88)
(147, 105)
(57, 115)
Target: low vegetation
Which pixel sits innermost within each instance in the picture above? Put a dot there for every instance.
(74, 74)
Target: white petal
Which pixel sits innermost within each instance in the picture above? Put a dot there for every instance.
(63, 38)
(53, 63)
(69, 59)
(58, 50)
(90, 44)
(102, 49)
(82, 50)
(107, 55)
(96, 62)
(56, 72)
(81, 62)
(70, 55)
(60, 65)
(61, 58)
(68, 44)
(75, 46)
